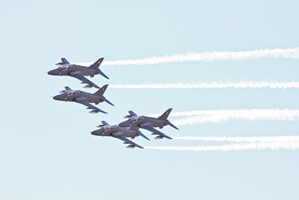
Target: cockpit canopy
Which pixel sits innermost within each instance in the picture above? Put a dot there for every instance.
(70, 92)
(136, 118)
(109, 127)
(64, 66)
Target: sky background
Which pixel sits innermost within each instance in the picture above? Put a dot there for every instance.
(46, 149)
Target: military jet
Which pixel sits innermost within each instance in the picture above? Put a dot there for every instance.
(148, 123)
(84, 98)
(119, 133)
(78, 71)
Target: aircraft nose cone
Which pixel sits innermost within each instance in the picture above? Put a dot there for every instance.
(96, 132)
(57, 97)
(52, 72)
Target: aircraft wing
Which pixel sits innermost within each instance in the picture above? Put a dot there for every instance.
(67, 88)
(85, 103)
(85, 80)
(128, 141)
(64, 61)
(104, 123)
(151, 129)
(132, 113)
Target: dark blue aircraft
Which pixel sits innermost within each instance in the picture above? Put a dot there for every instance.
(84, 98)
(78, 71)
(120, 133)
(148, 123)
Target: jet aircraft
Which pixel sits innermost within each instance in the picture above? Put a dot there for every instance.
(84, 98)
(78, 71)
(120, 133)
(148, 123)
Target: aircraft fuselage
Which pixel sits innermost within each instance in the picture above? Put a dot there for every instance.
(73, 70)
(79, 96)
(116, 131)
(143, 121)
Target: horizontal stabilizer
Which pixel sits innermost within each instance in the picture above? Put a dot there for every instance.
(100, 72)
(170, 124)
(106, 100)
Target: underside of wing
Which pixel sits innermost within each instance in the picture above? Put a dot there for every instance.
(90, 106)
(127, 141)
(85, 80)
(156, 132)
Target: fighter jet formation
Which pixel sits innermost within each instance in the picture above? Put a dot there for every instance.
(122, 131)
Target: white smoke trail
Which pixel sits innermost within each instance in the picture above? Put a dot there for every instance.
(250, 114)
(218, 119)
(216, 116)
(288, 143)
(241, 139)
(213, 85)
(276, 145)
(209, 56)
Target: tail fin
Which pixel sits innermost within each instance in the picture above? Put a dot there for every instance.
(101, 91)
(96, 64)
(165, 114)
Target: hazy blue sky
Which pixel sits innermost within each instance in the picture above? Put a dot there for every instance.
(46, 149)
